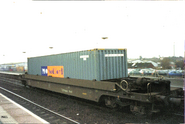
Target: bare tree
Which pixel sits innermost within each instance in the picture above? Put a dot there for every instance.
(179, 64)
(165, 63)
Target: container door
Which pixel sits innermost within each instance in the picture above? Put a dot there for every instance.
(113, 64)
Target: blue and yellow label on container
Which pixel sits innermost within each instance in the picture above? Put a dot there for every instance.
(44, 71)
(53, 71)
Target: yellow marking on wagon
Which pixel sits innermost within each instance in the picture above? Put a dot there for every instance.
(84, 93)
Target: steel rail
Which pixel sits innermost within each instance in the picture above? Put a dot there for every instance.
(40, 106)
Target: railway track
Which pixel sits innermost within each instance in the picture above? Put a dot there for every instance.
(11, 81)
(46, 114)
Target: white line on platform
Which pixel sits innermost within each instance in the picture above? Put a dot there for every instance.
(26, 110)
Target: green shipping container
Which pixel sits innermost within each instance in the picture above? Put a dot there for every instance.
(95, 64)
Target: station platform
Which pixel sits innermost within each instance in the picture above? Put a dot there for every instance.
(13, 113)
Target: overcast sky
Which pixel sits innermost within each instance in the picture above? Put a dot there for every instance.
(145, 28)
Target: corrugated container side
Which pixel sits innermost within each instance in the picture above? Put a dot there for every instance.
(89, 65)
(113, 64)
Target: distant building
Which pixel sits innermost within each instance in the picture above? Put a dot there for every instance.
(142, 64)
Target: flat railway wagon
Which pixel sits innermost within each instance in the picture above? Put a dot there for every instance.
(100, 75)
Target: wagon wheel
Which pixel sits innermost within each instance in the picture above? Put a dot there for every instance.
(110, 102)
(140, 111)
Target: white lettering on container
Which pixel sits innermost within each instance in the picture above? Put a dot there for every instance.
(84, 57)
(113, 55)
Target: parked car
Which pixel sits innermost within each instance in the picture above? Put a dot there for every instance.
(147, 71)
(160, 72)
(129, 70)
(176, 73)
(134, 72)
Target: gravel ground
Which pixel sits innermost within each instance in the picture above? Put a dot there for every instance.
(87, 112)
